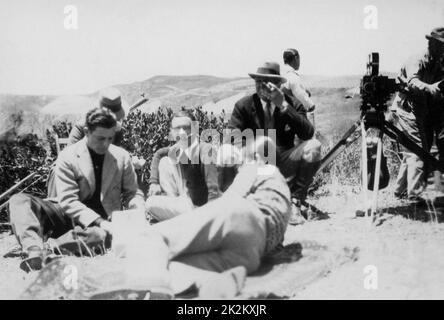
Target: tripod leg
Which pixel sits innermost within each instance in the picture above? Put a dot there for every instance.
(377, 173)
(437, 180)
(364, 167)
(349, 137)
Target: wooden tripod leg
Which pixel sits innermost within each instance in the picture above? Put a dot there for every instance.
(364, 167)
(377, 173)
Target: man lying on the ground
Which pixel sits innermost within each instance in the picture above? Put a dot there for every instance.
(91, 178)
(213, 246)
(187, 176)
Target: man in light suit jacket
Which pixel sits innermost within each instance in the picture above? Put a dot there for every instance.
(93, 178)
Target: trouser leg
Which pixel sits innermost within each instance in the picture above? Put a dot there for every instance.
(51, 183)
(415, 175)
(164, 207)
(176, 201)
(415, 127)
(170, 178)
(229, 232)
(34, 220)
(216, 237)
(299, 166)
(440, 144)
(401, 180)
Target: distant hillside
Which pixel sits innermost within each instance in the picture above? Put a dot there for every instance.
(213, 93)
(182, 90)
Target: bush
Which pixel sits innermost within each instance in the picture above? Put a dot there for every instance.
(346, 168)
(144, 134)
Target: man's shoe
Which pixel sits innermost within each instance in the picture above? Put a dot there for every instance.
(417, 201)
(296, 216)
(311, 213)
(36, 258)
(314, 214)
(87, 242)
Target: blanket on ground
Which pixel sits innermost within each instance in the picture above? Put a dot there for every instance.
(281, 275)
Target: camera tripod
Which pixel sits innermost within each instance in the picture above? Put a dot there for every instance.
(375, 119)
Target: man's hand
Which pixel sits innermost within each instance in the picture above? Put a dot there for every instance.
(434, 88)
(276, 95)
(138, 163)
(154, 190)
(107, 226)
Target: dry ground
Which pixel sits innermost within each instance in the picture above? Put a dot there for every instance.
(406, 247)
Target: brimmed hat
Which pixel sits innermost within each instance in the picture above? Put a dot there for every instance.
(111, 99)
(437, 34)
(268, 70)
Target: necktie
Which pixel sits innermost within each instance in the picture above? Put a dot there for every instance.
(268, 117)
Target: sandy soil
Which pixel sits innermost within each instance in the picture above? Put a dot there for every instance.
(405, 248)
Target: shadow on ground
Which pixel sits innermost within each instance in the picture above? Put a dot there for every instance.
(430, 211)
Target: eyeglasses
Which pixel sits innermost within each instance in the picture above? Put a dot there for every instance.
(265, 81)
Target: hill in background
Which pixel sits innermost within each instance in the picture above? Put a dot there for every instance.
(333, 113)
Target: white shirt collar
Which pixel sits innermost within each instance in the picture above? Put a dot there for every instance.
(289, 69)
(189, 151)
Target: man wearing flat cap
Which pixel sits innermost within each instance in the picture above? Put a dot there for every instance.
(270, 109)
(418, 111)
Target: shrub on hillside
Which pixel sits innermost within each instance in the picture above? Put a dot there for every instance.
(346, 168)
(144, 134)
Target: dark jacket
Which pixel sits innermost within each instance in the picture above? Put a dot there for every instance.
(248, 113)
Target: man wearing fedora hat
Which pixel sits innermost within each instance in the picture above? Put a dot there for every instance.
(274, 112)
(417, 110)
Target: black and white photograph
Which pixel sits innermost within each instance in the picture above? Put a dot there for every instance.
(231, 150)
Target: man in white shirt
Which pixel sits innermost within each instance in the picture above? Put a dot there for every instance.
(187, 176)
(294, 86)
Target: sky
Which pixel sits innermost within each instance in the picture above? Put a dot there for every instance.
(122, 41)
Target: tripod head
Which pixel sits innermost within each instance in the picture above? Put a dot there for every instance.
(375, 89)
